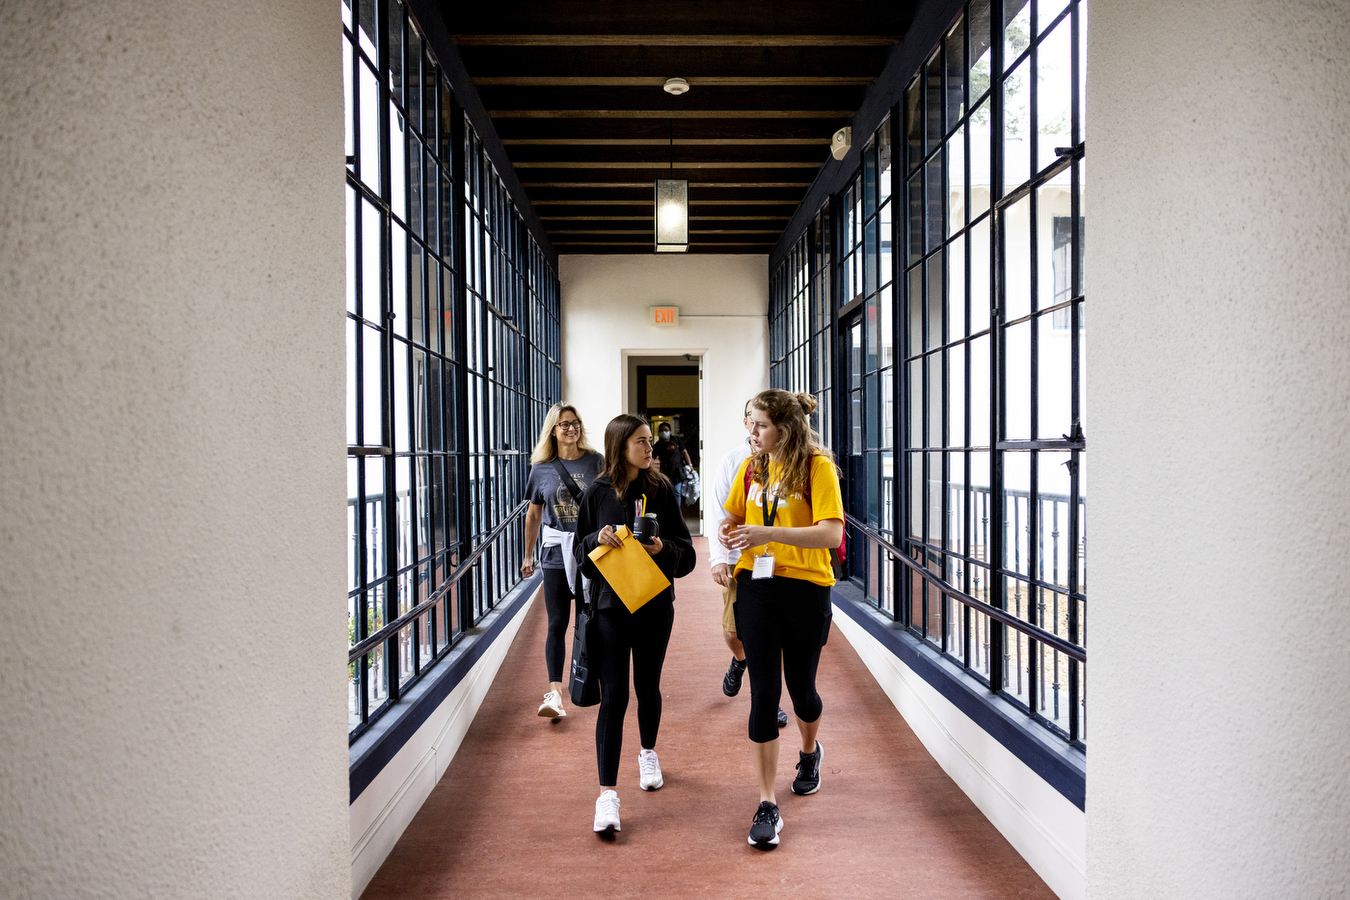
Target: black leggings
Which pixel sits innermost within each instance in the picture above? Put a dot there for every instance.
(558, 601)
(619, 634)
(783, 623)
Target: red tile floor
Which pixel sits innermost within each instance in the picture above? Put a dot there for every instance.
(512, 816)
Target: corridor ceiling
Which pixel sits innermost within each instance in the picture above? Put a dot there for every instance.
(575, 91)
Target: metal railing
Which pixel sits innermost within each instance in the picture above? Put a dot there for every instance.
(466, 565)
(1034, 632)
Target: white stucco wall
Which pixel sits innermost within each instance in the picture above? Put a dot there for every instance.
(724, 304)
(1218, 278)
(173, 716)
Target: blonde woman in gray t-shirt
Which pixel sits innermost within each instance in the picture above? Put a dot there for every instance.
(561, 452)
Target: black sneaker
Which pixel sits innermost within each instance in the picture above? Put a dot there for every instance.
(764, 829)
(808, 771)
(782, 718)
(731, 682)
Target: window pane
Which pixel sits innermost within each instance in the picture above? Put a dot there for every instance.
(979, 277)
(372, 267)
(351, 250)
(980, 178)
(913, 124)
(956, 290)
(956, 396)
(368, 96)
(398, 279)
(956, 182)
(981, 55)
(1017, 259)
(400, 401)
(884, 161)
(936, 201)
(1016, 128)
(980, 391)
(932, 77)
(1017, 379)
(1017, 30)
(1054, 83)
(956, 70)
(372, 387)
(935, 300)
(351, 382)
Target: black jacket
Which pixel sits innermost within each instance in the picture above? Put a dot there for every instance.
(600, 507)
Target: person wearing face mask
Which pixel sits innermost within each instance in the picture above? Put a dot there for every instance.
(562, 465)
(619, 635)
(673, 458)
(783, 518)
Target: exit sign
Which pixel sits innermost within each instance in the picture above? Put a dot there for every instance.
(665, 316)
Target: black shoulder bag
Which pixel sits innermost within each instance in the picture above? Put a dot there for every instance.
(584, 684)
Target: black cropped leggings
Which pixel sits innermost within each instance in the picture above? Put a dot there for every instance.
(644, 636)
(783, 623)
(558, 601)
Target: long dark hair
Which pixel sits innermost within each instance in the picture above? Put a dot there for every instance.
(617, 433)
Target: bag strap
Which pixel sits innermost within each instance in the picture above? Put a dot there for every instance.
(566, 478)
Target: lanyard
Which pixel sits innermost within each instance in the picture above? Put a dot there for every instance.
(772, 513)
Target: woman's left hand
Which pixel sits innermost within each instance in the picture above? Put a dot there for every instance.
(745, 536)
(654, 547)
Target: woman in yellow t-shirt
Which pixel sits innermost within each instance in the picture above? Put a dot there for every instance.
(784, 514)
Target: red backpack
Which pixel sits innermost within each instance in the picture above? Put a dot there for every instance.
(838, 556)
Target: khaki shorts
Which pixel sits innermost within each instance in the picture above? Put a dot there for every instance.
(729, 598)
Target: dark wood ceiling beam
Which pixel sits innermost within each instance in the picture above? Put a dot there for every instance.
(648, 218)
(693, 129)
(733, 113)
(641, 155)
(659, 167)
(691, 63)
(677, 40)
(692, 16)
(643, 196)
(658, 142)
(655, 100)
(656, 81)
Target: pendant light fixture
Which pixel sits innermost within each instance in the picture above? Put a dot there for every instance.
(672, 208)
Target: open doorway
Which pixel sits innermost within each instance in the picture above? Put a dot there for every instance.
(668, 391)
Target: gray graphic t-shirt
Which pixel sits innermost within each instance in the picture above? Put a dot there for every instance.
(560, 510)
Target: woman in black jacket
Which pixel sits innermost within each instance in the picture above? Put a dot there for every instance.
(611, 501)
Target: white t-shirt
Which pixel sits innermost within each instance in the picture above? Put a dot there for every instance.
(726, 474)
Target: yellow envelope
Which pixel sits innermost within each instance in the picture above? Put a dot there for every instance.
(630, 570)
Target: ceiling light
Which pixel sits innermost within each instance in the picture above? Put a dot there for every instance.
(676, 86)
(672, 205)
(672, 215)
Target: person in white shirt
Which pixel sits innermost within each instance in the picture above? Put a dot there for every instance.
(724, 563)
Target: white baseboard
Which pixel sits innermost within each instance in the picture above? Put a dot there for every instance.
(1045, 828)
(384, 809)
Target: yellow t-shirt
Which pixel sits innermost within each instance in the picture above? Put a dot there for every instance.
(794, 511)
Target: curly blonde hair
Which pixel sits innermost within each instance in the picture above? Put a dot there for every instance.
(797, 442)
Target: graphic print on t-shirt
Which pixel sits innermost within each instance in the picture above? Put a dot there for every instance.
(565, 509)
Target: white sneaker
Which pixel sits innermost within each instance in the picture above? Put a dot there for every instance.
(649, 771)
(607, 813)
(552, 707)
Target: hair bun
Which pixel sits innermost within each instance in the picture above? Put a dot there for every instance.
(806, 402)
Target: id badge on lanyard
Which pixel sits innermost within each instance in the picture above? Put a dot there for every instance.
(763, 567)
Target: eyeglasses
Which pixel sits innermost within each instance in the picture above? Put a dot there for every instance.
(573, 425)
